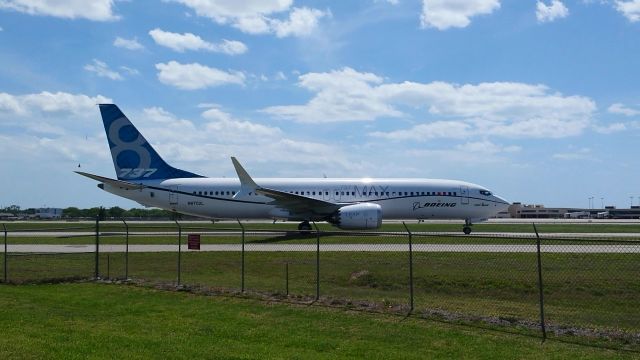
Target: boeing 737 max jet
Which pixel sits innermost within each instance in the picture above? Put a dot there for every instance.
(143, 176)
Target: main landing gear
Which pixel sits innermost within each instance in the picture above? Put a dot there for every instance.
(304, 227)
(466, 229)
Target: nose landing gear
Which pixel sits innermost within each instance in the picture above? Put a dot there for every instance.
(466, 229)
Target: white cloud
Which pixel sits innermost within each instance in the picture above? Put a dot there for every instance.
(301, 22)
(227, 129)
(222, 135)
(1, 29)
(130, 44)
(579, 154)
(473, 153)
(497, 109)
(444, 14)
(610, 129)
(432, 130)
(195, 76)
(231, 47)
(548, 13)
(188, 41)
(629, 9)
(103, 70)
(259, 16)
(129, 70)
(58, 103)
(621, 109)
(341, 95)
(97, 10)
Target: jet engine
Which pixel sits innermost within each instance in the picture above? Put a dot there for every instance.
(358, 217)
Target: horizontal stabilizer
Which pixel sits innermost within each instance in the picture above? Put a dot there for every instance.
(119, 183)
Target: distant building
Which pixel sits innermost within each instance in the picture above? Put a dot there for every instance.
(48, 213)
(519, 210)
(7, 216)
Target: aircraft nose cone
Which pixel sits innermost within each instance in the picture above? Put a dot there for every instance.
(504, 204)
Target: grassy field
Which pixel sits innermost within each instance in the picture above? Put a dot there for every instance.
(396, 227)
(79, 321)
(597, 291)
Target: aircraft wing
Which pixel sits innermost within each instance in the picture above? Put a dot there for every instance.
(119, 183)
(295, 204)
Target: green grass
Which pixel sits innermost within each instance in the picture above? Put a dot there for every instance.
(584, 290)
(396, 227)
(79, 321)
(297, 238)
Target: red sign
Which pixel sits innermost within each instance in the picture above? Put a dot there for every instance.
(193, 241)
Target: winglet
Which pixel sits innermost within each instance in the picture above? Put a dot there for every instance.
(246, 182)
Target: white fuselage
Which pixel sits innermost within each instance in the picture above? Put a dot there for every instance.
(398, 198)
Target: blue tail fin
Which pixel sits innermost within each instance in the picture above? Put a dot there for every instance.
(133, 157)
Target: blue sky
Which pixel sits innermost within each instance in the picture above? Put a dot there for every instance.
(537, 100)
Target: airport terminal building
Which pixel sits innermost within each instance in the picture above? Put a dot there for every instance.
(523, 211)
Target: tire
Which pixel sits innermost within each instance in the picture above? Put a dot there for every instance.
(304, 227)
(466, 230)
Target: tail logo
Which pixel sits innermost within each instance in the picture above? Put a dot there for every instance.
(131, 158)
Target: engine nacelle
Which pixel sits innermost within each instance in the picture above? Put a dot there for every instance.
(358, 217)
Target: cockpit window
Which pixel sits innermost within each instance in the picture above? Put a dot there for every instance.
(485, 192)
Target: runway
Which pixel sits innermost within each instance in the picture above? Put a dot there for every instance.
(527, 235)
(447, 248)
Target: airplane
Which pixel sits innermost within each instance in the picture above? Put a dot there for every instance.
(348, 203)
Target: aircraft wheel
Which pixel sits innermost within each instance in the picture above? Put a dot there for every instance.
(466, 230)
(304, 227)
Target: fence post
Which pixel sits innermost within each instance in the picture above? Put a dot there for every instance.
(317, 261)
(242, 262)
(286, 275)
(4, 227)
(126, 251)
(410, 268)
(540, 287)
(179, 250)
(97, 252)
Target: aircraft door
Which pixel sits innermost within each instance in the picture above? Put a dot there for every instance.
(464, 195)
(173, 197)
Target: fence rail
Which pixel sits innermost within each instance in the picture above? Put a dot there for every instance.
(551, 285)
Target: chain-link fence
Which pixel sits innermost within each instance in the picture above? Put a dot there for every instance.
(577, 287)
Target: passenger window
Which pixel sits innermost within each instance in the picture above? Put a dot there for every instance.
(326, 193)
(412, 193)
(393, 193)
(337, 193)
(313, 193)
(353, 193)
(199, 192)
(405, 193)
(376, 193)
(152, 194)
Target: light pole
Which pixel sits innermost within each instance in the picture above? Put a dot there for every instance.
(602, 202)
(631, 197)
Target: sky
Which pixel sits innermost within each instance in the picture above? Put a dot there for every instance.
(539, 101)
